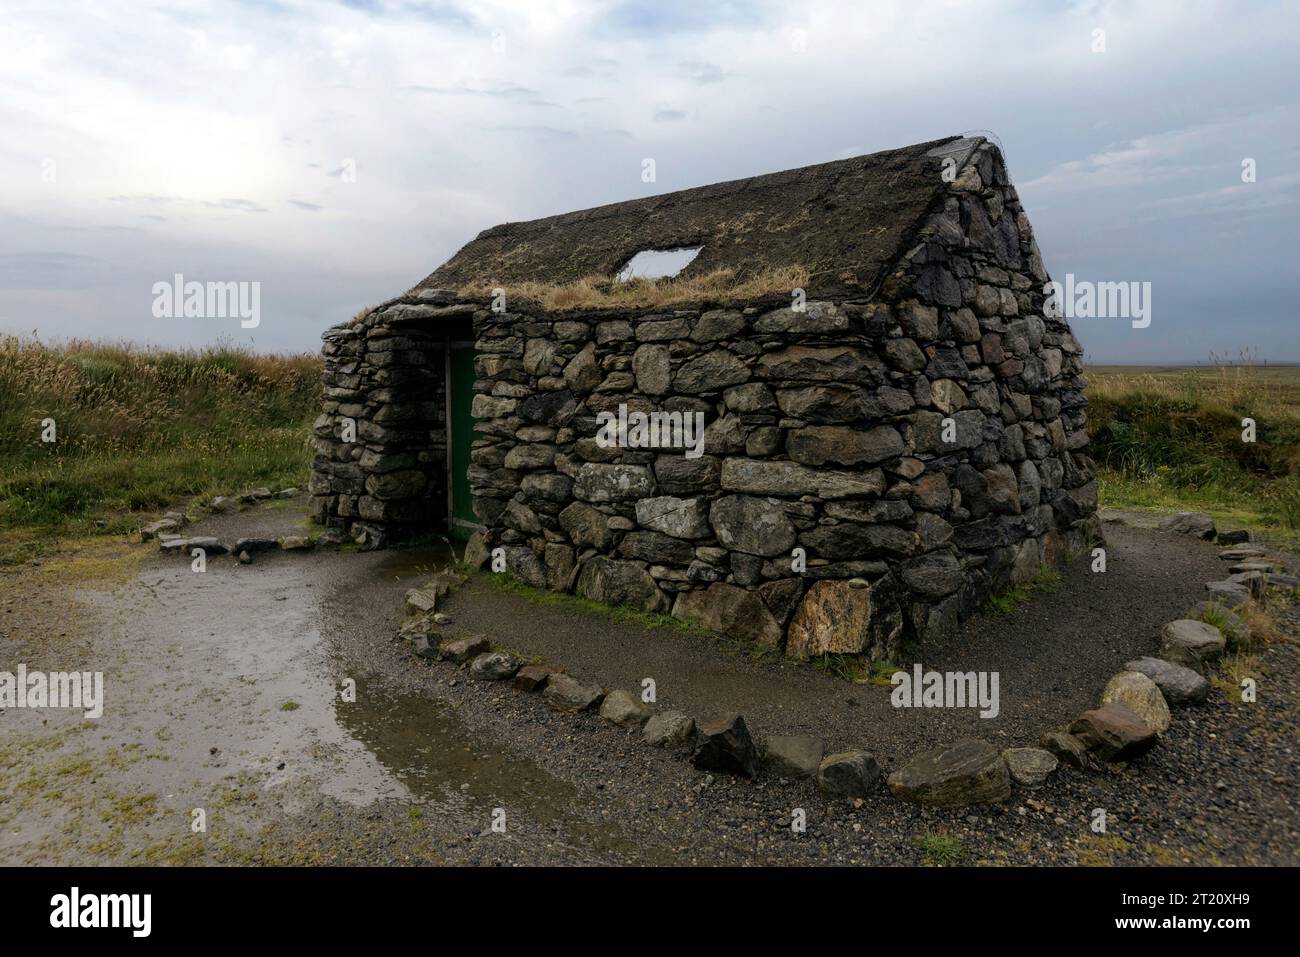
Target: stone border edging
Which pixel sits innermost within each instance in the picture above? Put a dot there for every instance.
(166, 530)
(1134, 710)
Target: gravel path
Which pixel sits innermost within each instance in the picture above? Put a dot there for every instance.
(1053, 654)
(417, 767)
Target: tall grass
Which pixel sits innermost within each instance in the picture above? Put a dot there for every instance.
(1170, 437)
(138, 429)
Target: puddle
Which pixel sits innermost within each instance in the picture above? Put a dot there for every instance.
(231, 675)
(414, 562)
(425, 746)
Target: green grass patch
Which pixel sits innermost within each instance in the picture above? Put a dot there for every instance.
(845, 667)
(940, 850)
(137, 430)
(621, 614)
(1172, 440)
(1007, 601)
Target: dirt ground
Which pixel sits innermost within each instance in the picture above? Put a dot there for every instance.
(230, 692)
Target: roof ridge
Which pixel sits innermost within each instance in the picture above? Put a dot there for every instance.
(845, 220)
(757, 181)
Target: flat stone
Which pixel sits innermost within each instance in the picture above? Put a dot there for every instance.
(460, 650)
(420, 601)
(621, 583)
(566, 694)
(255, 545)
(1241, 552)
(843, 445)
(841, 618)
(209, 544)
(424, 647)
(1195, 524)
(625, 710)
(1030, 766)
(1203, 640)
(814, 317)
(525, 565)
(419, 626)
(1254, 565)
(1234, 537)
(1231, 595)
(676, 517)
(160, 527)
(933, 575)
(586, 526)
(967, 772)
(1066, 748)
(731, 611)
(848, 774)
(710, 372)
(602, 482)
(296, 543)
(525, 456)
(1180, 685)
(656, 548)
(790, 479)
(747, 523)
(1140, 695)
(717, 324)
(669, 729)
(534, 677)
(792, 756)
(494, 666)
(725, 745)
(1255, 582)
(1113, 733)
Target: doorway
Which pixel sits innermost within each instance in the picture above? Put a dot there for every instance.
(461, 520)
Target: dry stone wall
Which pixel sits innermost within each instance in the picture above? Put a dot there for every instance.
(920, 446)
(380, 465)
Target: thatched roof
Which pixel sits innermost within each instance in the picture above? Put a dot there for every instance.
(844, 221)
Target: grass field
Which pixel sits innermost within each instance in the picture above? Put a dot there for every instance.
(1171, 439)
(139, 429)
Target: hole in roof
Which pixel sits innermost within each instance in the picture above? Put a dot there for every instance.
(658, 263)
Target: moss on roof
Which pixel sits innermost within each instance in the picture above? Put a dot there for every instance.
(846, 221)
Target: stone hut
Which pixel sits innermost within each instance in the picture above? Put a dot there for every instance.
(883, 447)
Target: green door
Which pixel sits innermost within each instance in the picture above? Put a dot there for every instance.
(462, 522)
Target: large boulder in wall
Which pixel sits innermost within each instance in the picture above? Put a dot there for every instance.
(732, 611)
(621, 583)
(847, 617)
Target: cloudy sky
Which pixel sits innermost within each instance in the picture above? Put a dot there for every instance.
(337, 152)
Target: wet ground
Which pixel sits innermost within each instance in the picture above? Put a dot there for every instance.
(274, 699)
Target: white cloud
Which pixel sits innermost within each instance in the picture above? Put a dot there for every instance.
(214, 136)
